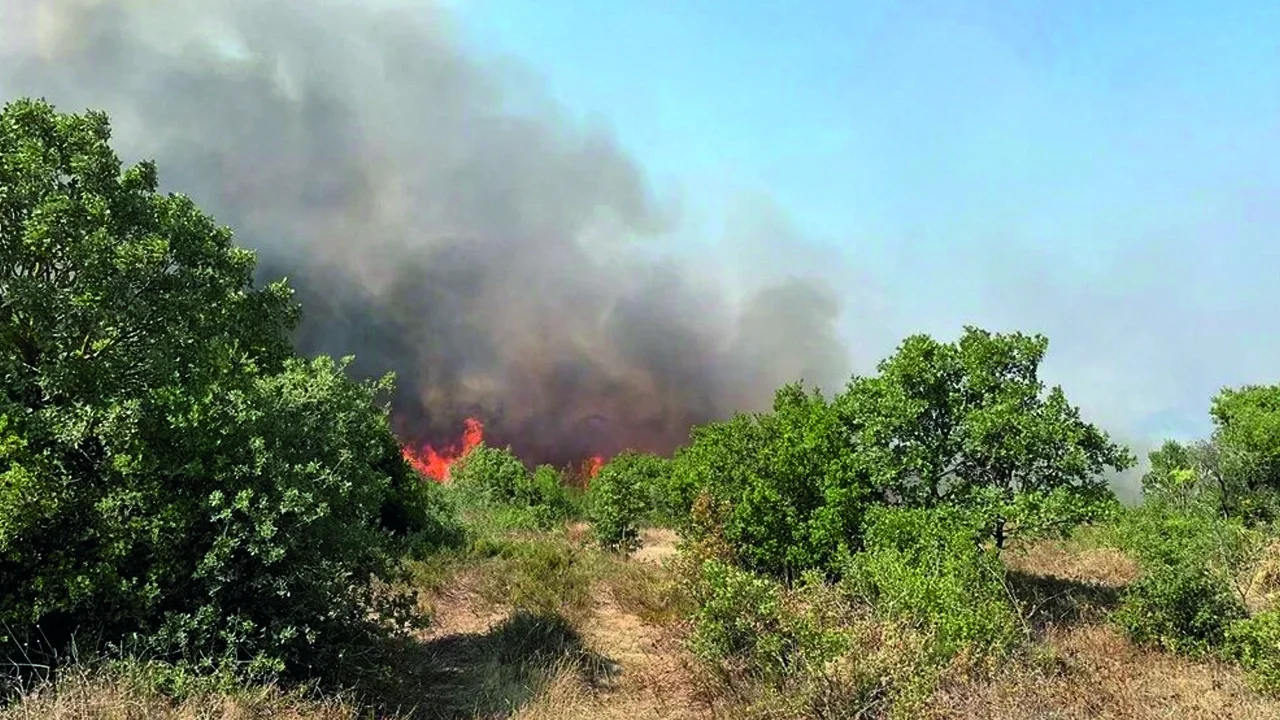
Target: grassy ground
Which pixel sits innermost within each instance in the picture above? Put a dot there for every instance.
(1084, 668)
(540, 626)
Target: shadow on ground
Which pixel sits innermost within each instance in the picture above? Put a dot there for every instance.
(1055, 601)
(484, 675)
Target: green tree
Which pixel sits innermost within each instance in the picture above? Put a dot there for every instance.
(1247, 436)
(1237, 469)
(970, 423)
(1188, 475)
(169, 471)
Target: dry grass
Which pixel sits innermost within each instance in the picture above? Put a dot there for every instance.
(657, 679)
(657, 545)
(634, 622)
(94, 696)
(618, 654)
(1262, 587)
(1092, 672)
(1102, 566)
(1060, 584)
(1082, 667)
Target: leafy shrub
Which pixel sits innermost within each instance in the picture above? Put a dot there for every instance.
(654, 473)
(549, 498)
(926, 568)
(491, 475)
(743, 626)
(1161, 534)
(280, 490)
(1181, 606)
(786, 490)
(169, 473)
(737, 613)
(622, 497)
(495, 483)
(1192, 561)
(1255, 644)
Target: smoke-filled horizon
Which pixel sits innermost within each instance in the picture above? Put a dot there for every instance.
(437, 218)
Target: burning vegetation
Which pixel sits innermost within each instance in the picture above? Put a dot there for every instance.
(434, 463)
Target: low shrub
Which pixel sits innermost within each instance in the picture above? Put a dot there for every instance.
(927, 569)
(744, 627)
(1181, 606)
(497, 490)
(1255, 644)
(548, 497)
(1160, 533)
(489, 474)
(624, 496)
(1193, 563)
(808, 651)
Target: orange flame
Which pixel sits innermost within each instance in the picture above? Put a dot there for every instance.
(434, 463)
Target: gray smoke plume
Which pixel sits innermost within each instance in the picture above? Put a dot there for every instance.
(438, 218)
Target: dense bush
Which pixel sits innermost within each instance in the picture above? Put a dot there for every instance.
(490, 474)
(549, 497)
(1255, 643)
(926, 568)
(1190, 558)
(743, 627)
(785, 488)
(170, 474)
(627, 493)
(494, 481)
(1183, 607)
(1199, 540)
(1161, 534)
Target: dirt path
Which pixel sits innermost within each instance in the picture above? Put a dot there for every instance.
(655, 678)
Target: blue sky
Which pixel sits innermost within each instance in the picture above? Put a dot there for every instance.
(1102, 171)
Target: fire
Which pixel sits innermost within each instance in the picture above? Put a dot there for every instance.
(435, 463)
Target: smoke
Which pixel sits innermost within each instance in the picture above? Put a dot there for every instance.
(438, 216)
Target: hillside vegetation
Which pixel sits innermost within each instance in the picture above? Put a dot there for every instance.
(197, 522)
